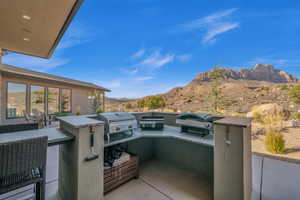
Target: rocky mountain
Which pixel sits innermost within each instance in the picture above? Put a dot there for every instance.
(241, 90)
(261, 72)
(111, 101)
(115, 103)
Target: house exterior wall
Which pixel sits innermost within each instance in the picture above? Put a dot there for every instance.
(1, 98)
(79, 101)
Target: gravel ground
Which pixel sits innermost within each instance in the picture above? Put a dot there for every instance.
(291, 136)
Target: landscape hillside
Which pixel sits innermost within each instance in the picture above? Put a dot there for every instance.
(239, 91)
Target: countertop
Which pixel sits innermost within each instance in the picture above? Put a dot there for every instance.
(55, 136)
(167, 132)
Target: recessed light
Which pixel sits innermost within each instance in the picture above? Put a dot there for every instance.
(25, 30)
(27, 17)
(26, 39)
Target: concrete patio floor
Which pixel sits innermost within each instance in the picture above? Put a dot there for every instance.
(272, 183)
(162, 181)
(158, 181)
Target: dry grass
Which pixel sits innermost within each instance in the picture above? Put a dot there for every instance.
(290, 134)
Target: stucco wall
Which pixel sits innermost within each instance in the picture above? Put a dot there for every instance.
(275, 179)
(80, 102)
(186, 155)
(1, 98)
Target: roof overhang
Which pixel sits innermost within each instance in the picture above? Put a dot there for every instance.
(22, 73)
(35, 27)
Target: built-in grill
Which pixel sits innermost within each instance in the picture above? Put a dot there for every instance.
(200, 124)
(152, 122)
(118, 125)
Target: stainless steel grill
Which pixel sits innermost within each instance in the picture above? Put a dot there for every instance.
(118, 122)
(152, 122)
(201, 124)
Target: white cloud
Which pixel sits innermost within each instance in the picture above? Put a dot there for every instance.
(212, 25)
(184, 57)
(144, 78)
(156, 60)
(210, 19)
(34, 63)
(134, 71)
(146, 62)
(138, 54)
(217, 30)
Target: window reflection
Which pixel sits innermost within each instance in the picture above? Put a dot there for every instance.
(16, 100)
(37, 99)
(53, 100)
(66, 100)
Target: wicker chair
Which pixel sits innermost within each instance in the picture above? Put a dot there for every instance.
(23, 163)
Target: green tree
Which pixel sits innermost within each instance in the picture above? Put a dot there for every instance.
(294, 93)
(128, 106)
(141, 103)
(216, 98)
(96, 102)
(155, 102)
(152, 102)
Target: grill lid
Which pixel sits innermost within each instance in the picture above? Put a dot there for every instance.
(193, 116)
(117, 116)
(152, 118)
(199, 117)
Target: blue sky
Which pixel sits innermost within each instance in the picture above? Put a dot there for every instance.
(143, 47)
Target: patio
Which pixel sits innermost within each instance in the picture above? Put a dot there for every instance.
(158, 180)
(139, 189)
(169, 168)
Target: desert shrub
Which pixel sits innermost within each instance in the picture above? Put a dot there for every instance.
(284, 88)
(61, 114)
(275, 143)
(272, 123)
(261, 111)
(274, 140)
(258, 117)
(294, 93)
(128, 106)
(217, 73)
(297, 116)
(152, 102)
(141, 103)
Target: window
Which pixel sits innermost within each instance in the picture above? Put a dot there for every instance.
(96, 101)
(53, 100)
(66, 100)
(37, 99)
(16, 99)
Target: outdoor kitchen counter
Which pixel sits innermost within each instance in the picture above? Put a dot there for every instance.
(55, 136)
(168, 132)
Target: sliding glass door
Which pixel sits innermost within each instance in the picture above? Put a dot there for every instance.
(16, 100)
(37, 99)
(53, 100)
